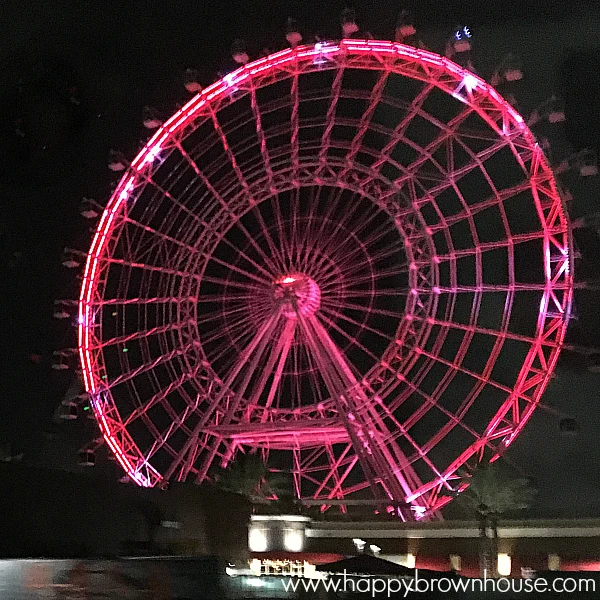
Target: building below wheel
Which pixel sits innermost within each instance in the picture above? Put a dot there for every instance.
(524, 545)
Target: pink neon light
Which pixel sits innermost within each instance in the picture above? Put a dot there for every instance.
(282, 63)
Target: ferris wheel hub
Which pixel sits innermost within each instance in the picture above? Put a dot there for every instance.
(297, 294)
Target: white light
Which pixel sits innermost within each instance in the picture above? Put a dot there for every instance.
(470, 82)
(125, 193)
(293, 540)
(374, 549)
(360, 544)
(455, 562)
(408, 560)
(152, 154)
(504, 564)
(228, 79)
(254, 582)
(255, 566)
(290, 518)
(310, 571)
(257, 540)
(553, 562)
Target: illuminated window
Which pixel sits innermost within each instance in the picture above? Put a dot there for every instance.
(504, 564)
(455, 562)
(257, 540)
(553, 562)
(293, 540)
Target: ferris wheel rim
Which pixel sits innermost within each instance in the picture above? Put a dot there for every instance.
(464, 85)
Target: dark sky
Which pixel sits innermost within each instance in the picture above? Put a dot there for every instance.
(120, 56)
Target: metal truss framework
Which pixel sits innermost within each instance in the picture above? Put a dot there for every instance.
(300, 264)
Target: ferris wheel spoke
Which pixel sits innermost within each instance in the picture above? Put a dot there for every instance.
(454, 419)
(162, 236)
(222, 315)
(338, 314)
(260, 134)
(353, 341)
(141, 334)
(242, 255)
(223, 353)
(342, 221)
(225, 283)
(377, 239)
(164, 359)
(236, 333)
(294, 234)
(513, 287)
(376, 236)
(131, 264)
(294, 126)
(399, 131)
(309, 253)
(274, 200)
(460, 369)
(242, 324)
(349, 263)
(277, 255)
(242, 272)
(176, 424)
(368, 278)
(425, 154)
(224, 298)
(213, 191)
(244, 184)
(330, 119)
(394, 292)
(365, 121)
(285, 243)
(268, 260)
(366, 269)
(365, 309)
(458, 174)
(498, 333)
(311, 239)
(483, 247)
(161, 395)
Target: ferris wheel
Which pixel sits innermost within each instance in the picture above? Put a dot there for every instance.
(350, 257)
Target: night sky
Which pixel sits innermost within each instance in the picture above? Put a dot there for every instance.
(75, 77)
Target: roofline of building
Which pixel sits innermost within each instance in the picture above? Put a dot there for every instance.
(572, 528)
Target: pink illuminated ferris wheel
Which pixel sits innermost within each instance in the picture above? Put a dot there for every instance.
(351, 257)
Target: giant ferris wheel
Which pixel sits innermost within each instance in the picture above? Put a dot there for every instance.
(350, 257)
